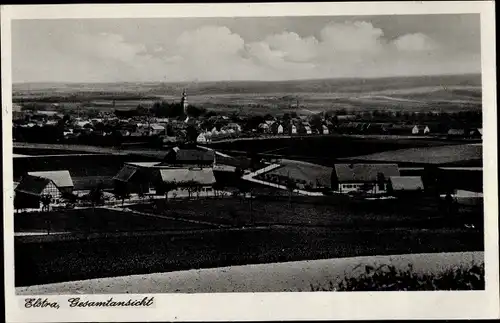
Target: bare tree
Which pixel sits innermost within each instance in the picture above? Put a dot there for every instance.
(291, 187)
(168, 187)
(46, 200)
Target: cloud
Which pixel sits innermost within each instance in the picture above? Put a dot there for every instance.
(415, 42)
(208, 53)
(352, 37)
(105, 46)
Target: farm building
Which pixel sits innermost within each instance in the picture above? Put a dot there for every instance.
(372, 178)
(405, 184)
(183, 179)
(61, 178)
(324, 130)
(31, 190)
(133, 178)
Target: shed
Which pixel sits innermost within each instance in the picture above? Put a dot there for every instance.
(405, 183)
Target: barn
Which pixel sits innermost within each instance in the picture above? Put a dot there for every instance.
(31, 190)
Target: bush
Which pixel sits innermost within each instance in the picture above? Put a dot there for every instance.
(388, 278)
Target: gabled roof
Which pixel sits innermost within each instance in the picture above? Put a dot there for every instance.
(32, 185)
(406, 183)
(126, 173)
(61, 178)
(202, 176)
(364, 172)
(456, 132)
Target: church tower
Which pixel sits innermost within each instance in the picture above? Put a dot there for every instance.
(184, 102)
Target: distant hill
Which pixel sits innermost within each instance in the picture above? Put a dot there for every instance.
(422, 92)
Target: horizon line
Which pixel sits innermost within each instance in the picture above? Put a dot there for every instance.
(248, 81)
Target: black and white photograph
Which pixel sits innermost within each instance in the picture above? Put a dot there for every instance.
(247, 154)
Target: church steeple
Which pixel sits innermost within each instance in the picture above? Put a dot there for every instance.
(184, 102)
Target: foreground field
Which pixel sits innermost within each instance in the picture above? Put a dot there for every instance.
(275, 277)
(58, 261)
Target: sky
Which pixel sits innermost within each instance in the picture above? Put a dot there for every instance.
(243, 48)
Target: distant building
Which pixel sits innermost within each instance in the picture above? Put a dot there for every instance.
(372, 178)
(347, 117)
(476, 133)
(156, 129)
(184, 102)
(456, 133)
(405, 184)
(264, 127)
(236, 127)
(325, 130)
(404, 130)
(202, 138)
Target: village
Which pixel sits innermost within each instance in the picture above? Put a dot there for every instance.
(189, 124)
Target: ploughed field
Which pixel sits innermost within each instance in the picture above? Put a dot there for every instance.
(337, 212)
(58, 261)
(98, 220)
(108, 243)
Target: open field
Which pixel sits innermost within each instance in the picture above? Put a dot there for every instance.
(426, 155)
(325, 150)
(58, 261)
(441, 93)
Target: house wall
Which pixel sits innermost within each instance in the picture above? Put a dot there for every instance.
(350, 187)
(181, 192)
(52, 190)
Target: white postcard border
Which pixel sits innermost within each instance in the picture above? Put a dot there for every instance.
(272, 306)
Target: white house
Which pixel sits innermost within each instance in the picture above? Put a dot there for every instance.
(372, 178)
(308, 130)
(293, 129)
(415, 130)
(325, 130)
(280, 129)
(264, 127)
(202, 139)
